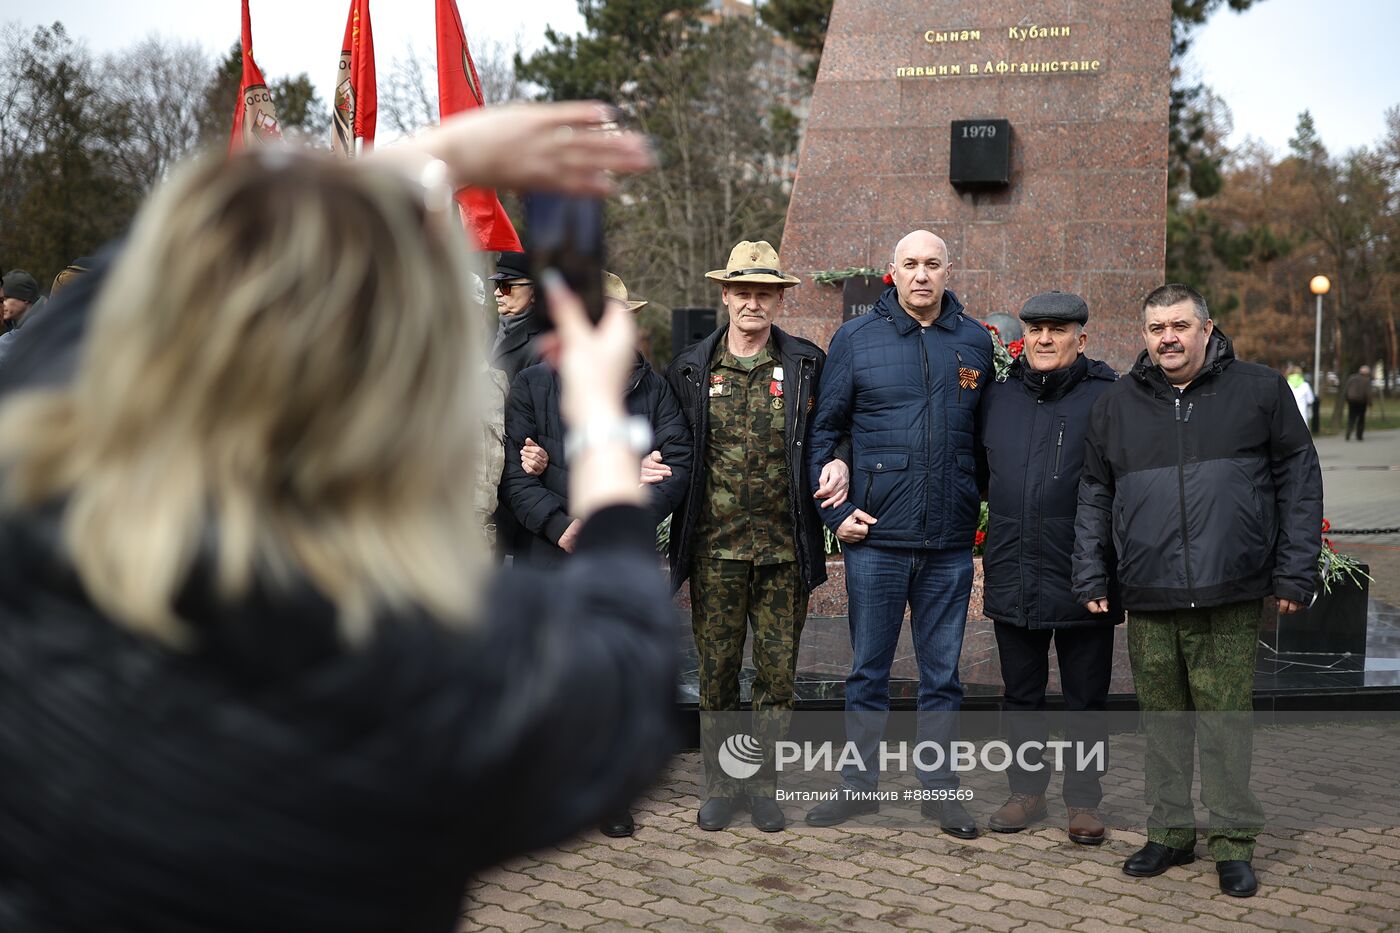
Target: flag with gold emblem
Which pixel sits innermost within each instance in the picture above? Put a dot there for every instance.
(254, 116)
(356, 97)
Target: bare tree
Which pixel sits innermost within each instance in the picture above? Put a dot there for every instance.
(495, 66)
(163, 84)
(409, 98)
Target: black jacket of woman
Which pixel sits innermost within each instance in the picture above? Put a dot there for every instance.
(269, 776)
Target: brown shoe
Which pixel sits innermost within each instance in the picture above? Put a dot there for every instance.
(1019, 811)
(1085, 826)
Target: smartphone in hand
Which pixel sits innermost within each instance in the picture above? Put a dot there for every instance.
(566, 234)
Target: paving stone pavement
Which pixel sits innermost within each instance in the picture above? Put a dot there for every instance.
(891, 875)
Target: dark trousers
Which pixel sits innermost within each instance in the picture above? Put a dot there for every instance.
(1356, 418)
(1086, 665)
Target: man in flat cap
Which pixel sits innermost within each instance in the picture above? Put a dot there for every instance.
(1032, 455)
(747, 534)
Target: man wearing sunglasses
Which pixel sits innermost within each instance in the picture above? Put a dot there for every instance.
(520, 320)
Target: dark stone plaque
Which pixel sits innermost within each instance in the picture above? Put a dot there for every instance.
(859, 294)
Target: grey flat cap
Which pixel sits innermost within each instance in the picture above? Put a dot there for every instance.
(1055, 306)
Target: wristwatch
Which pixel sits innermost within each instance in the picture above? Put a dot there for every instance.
(633, 432)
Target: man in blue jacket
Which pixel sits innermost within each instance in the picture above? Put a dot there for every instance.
(904, 381)
(1033, 443)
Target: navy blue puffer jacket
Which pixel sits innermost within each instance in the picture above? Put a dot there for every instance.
(908, 395)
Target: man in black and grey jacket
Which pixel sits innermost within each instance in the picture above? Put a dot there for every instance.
(1033, 427)
(1201, 476)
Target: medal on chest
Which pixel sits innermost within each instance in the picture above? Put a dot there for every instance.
(775, 388)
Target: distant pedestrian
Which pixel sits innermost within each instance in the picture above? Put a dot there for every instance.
(1358, 396)
(1302, 392)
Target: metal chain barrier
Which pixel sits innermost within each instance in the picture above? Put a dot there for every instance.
(1364, 531)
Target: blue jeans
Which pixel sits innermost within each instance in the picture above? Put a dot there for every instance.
(935, 585)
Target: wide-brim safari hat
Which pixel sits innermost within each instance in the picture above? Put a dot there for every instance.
(613, 287)
(754, 262)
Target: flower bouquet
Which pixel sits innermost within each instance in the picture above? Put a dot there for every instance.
(1334, 566)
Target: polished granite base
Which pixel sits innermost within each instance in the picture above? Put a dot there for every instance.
(825, 656)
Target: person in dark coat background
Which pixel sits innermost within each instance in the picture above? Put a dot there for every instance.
(536, 479)
(513, 349)
(1358, 395)
(521, 319)
(1033, 451)
(537, 476)
(1201, 486)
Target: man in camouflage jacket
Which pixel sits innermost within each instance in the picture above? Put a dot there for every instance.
(747, 534)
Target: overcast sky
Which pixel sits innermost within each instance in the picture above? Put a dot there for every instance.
(1334, 57)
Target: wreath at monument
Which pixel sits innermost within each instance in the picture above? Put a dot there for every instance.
(837, 276)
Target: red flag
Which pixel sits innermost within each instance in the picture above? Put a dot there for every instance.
(356, 99)
(254, 118)
(459, 89)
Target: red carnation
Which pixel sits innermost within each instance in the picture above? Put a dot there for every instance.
(1016, 348)
(1326, 526)
(887, 279)
(979, 538)
(992, 328)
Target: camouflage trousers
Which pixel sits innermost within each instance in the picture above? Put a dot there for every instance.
(1194, 674)
(727, 597)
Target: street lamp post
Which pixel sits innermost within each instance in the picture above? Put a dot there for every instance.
(1319, 286)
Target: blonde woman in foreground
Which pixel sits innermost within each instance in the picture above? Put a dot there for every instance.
(254, 673)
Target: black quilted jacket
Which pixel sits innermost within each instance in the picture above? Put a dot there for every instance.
(1208, 496)
(273, 779)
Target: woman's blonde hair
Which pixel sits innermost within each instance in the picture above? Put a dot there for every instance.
(282, 363)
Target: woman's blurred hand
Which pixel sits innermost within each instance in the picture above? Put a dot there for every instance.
(593, 363)
(535, 147)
